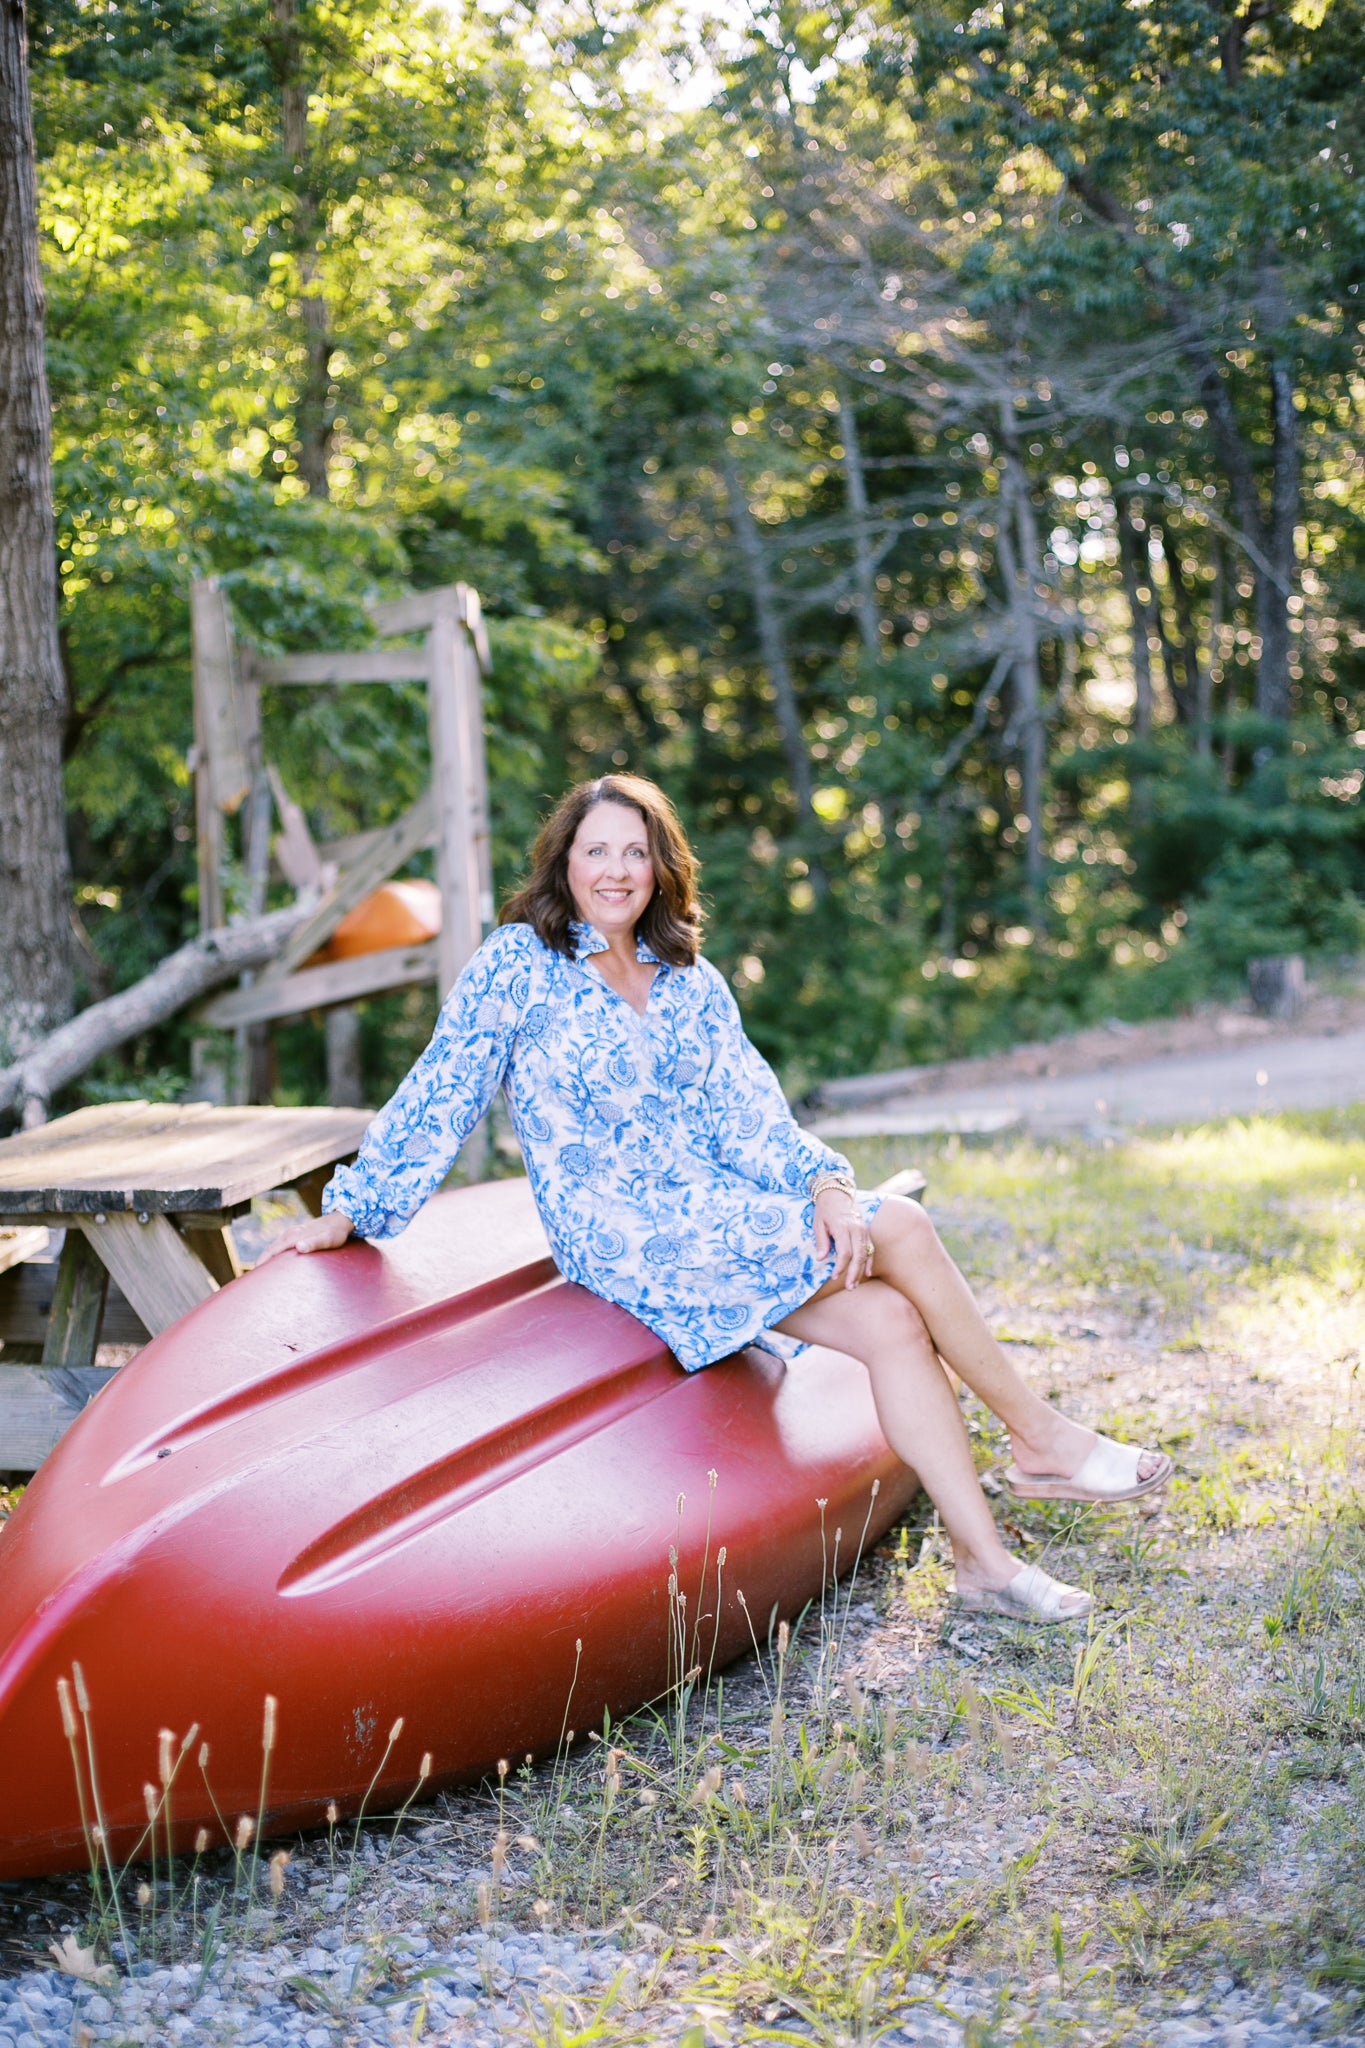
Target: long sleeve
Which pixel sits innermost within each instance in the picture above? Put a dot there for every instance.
(413, 1142)
(753, 1130)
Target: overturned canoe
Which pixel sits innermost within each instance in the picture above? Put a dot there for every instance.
(431, 1481)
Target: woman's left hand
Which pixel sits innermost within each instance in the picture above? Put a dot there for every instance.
(840, 1226)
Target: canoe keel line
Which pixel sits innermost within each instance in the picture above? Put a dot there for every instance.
(433, 1482)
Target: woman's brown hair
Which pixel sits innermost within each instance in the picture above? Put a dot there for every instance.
(671, 923)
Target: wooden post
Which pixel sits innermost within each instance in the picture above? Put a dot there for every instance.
(206, 658)
(471, 647)
(452, 780)
(73, 1328)
(153, 1265)
(455, 787)
(215, 733)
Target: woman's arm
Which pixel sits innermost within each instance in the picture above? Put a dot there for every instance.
(413, 1142)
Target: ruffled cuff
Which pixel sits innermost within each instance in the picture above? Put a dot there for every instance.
(354, 1192)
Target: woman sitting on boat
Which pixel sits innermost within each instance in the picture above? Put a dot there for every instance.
(672, 1178)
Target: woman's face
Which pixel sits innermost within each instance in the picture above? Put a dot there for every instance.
(611, 874)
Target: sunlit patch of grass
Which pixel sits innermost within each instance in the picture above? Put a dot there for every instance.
(1196, 1216)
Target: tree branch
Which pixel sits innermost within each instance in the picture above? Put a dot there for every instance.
(182, 977)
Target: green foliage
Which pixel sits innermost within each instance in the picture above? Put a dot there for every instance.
(574, 330)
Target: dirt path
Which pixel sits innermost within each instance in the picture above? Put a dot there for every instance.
(1217, 1064)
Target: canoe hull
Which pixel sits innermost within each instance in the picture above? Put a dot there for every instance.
(433, 1481)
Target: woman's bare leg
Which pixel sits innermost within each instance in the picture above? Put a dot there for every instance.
(917, 1410)
(910, 1257)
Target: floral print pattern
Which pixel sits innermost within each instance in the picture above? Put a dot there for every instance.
(668, 1170)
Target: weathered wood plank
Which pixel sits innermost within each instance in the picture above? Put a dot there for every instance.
(73, 1324)
(457, 872)
(215, 686)
(367, 665)
(37, 1406)
(415, 613)
(471, 610)
(344, 853)
(26, 1302)
(300, 861)
(314, 988)
(153, 1265)
(166, 1157)
(216, 1252)
(18, 1245)
(476, 774)
(397, 843)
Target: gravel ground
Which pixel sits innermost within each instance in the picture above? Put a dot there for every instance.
(496, 1986)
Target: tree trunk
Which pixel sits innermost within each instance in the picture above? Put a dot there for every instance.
(1023, 570)
(865, 602)
(1275, 590)
(1196, 702)
(35, 873)
(1136, 574)
(772, 639)
(313, 414)
(345, 1082)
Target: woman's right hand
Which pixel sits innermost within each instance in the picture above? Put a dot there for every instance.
(318, 1234)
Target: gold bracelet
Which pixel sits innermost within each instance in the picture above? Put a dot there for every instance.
(833, 1177)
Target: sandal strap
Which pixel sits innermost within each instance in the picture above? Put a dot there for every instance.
(1109, 1467)
(1034, 1591)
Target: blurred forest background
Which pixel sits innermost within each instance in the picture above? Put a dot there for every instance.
(927, 440)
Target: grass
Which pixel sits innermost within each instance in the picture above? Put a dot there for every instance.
(890, 1804)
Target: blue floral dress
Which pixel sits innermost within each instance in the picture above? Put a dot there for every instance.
(670, 1174)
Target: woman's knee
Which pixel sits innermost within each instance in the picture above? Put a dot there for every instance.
(898, 1326)
(902, 1226)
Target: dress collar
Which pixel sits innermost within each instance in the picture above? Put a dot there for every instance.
(588, 940)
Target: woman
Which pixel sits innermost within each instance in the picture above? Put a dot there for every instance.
(672, 1178)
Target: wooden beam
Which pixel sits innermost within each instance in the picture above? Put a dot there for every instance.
(457, 869)
(216, 1252)
(371, 665)
(37, 1407)
(73, 1325)
(18, 1245)
(317, 988)
(26, 1303)
(476, 773)
(215, 686)
(153, 1265)
(299, 859)
(417, 612)
(471, 610)
(397, 843)
(343, 853)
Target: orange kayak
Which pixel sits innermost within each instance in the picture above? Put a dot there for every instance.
(395, 914)
(431, 1481)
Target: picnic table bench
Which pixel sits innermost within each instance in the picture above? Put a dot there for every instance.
(145, 1194)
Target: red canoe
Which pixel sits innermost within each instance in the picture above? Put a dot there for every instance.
(400, 1482)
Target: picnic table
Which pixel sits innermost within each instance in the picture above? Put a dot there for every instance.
(146, 1194)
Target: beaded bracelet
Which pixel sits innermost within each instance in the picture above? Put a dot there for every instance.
(833, 1177)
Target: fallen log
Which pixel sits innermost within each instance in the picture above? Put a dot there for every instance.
(214, 957)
